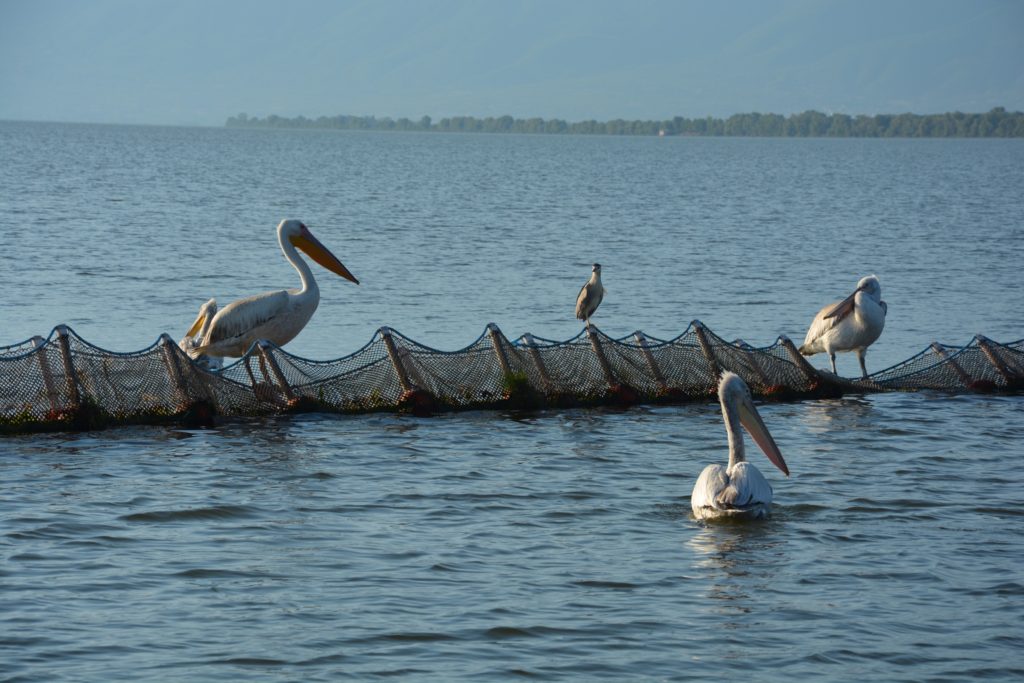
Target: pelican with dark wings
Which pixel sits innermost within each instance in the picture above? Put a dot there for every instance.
(853, 324)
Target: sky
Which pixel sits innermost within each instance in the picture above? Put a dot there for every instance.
(197, 62)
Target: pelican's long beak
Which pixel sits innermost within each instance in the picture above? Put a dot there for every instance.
(197, 325)
(751, 420)
(322, 255)
(842, 308)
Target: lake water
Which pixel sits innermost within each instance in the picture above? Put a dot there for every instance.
(551, 546)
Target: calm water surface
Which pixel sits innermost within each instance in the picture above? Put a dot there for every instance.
(481, 546)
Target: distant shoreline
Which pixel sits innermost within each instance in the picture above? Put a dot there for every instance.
(996, 123)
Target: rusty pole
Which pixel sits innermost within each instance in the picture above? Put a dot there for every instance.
(44, 366)
(641, 340)
(267, 354)
(74, 396)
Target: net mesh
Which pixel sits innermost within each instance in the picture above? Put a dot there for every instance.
(64, 382)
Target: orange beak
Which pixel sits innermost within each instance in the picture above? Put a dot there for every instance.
(754, 425)
(197, 325)
(321, 254)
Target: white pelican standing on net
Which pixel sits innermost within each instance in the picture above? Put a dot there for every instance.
(738, 491)
(275, 316)
(853, 324)
(193, 338)
(590, 296)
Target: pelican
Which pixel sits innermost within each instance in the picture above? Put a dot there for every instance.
(191, 341)
(275, 316)
(590, 296)
(738, 491)
(853, 324)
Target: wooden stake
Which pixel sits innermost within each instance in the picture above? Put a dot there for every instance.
(941, 352)
(798, 360)
(545, 378)
(499, 349)
(74, 396)
(170, 351)
(44, 366)
(990, 353)
(267, 354)
(709, 353)
(751, 356)
(396, 360)
(641, 340)
(595, 343)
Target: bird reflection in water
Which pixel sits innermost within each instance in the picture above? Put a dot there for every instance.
(843, 413)
(739, 562)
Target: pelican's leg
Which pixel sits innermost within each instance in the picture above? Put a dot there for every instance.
(832, 357)
(863, 368)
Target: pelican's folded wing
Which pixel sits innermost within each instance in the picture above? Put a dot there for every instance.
(709, 484)
(747, 487)
(821, 324)
(245, 315)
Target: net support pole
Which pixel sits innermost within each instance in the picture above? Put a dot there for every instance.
(170, 353)
(709, 353)
(499, 349)
(652, 364)
(74, 396)
(396, 359)
(985, 344)
(941, 352)
(752, 359)
(602, 360)
(538, 362)
(44, 367)
(266, 351)
(810, 374)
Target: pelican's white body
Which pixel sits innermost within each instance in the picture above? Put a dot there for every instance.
(276, 316)
(854, 330)
(737, 490)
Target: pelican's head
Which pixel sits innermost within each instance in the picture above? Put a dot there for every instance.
(296, 233)
(206, 313)
(597, 269)
(870, 286)
(735, 397)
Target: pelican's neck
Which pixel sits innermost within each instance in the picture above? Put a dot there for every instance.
(595, 278)
(868, 304)
(732, 426)
(299, 264)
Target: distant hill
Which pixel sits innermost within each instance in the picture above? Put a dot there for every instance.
(997, 123)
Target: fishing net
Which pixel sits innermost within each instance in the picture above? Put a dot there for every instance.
(64, 382)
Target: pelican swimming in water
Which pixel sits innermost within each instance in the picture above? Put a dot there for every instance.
(275, 316)
(853, 324)
(590, 296)
(192, 339)
(738, 491)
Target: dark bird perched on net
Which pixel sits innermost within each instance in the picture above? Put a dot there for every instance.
(590, 296)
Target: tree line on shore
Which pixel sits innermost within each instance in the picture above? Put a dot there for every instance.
(997, 123)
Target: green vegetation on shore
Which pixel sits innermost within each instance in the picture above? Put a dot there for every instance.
(997, 123)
